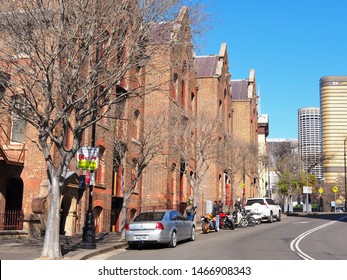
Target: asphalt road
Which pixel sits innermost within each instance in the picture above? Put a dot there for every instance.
(319, 236)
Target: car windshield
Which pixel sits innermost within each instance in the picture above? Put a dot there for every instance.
(149, 216)
(252, 201)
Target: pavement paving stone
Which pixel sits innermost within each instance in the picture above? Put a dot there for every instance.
(30, 249)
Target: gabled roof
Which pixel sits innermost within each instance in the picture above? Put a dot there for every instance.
(239, 89)
(206, 66)
(161, 32)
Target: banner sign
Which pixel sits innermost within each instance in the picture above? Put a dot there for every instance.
(307, 189)
(88, 158)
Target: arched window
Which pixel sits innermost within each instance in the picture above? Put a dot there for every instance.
(137, 118)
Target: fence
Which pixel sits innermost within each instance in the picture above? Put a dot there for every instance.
(11, 220)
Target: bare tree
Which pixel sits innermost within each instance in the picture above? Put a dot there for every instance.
(150, 145)
(67, 61)
(205, 149)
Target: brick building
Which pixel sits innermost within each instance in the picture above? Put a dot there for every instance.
(214, 105)
(170, 98)
(245, 136)
(176, 89)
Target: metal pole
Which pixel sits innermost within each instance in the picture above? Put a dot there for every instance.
(335, 203)
(88, 237)
(344, 158)
(306, 177)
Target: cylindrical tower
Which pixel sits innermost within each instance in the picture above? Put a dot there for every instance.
(333, 99)
(310, 144)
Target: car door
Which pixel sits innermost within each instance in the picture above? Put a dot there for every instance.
(185, 226)
(272, 206)
(177, 223)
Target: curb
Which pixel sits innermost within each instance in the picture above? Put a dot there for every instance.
(88, 255)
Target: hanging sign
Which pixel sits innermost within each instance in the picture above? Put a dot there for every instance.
(87, 158)
(307, 189)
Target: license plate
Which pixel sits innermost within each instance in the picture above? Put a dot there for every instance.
(141, 237)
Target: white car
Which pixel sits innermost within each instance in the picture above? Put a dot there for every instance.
(266, 207)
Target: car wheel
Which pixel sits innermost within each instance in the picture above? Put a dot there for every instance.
(279, 216)
(193, 234)
(133, 245)
(252, 222)
(173, 240)
(270, 220)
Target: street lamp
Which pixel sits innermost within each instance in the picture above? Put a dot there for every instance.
(88, 237)
(344, 159)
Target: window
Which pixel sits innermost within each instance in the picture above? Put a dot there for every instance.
(136, 124)
(18, 124)
(4, 80)
(183, 95)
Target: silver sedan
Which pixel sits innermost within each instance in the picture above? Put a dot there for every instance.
(164, 227)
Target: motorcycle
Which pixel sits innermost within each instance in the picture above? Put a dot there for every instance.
(243, 218)
(226, 222)
(255, 210)
(208, 223)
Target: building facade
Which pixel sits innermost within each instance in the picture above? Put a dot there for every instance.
(333, 103)
(310, 144)
(263, 132)
(245, 136)
(178, 89)
(214, 106)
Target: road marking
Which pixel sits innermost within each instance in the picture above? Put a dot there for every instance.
(294, 245)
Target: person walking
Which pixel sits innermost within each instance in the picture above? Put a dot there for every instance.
(320, 203)
(215, 212)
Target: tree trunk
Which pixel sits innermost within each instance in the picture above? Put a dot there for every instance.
(51, 246)
(124, 217)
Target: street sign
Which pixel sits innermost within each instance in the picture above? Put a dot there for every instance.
(87, 178)
(307, 189)
(335, 189)
(87, 158)
(321, 190)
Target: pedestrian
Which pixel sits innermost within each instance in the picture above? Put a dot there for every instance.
(320, 203)
(238, 204)
(215, 212)
(190, 210)
(332, 206)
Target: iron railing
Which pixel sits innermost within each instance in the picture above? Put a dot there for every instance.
(11, 220)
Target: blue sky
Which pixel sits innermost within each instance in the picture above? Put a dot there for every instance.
(290, 44)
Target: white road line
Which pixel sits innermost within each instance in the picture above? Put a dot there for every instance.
(294, 245)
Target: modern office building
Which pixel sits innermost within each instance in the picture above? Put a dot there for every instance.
(333, 99)
(310, 144)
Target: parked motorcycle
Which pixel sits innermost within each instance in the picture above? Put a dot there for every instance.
(249, 217)
(226, 222)
(243, 218)
(256, 211)
(208, 223)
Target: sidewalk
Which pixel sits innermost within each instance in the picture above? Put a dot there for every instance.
(30, 249)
